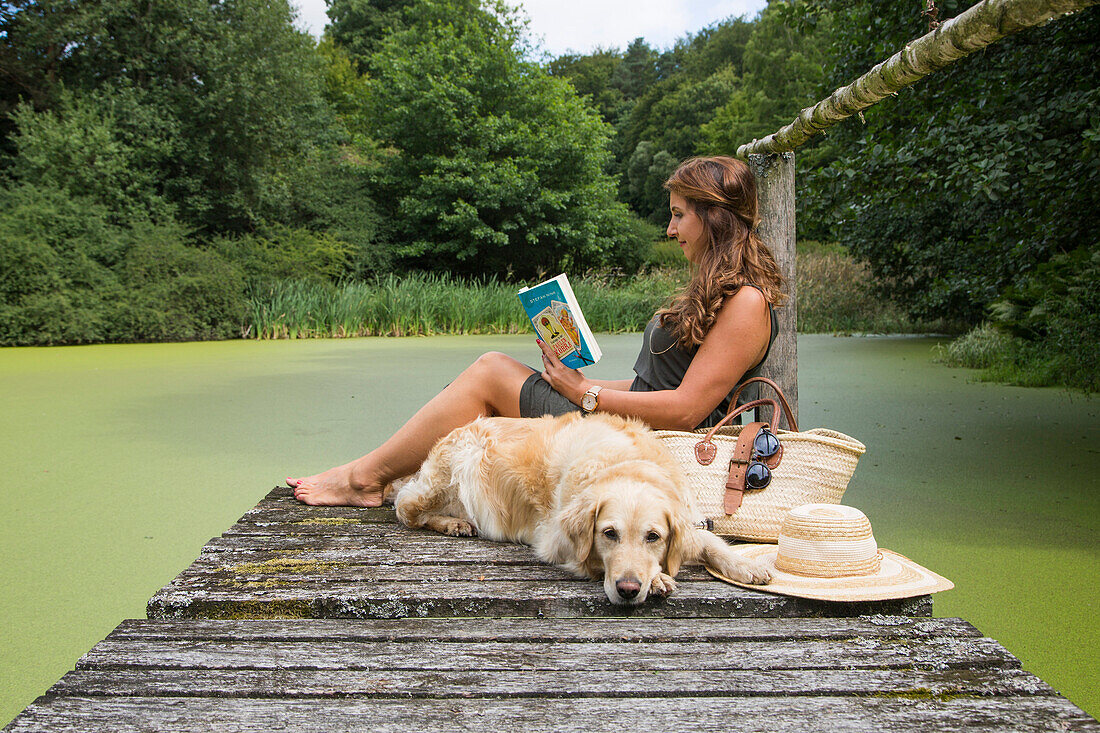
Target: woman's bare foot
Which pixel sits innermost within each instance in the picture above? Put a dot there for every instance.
(338, 486)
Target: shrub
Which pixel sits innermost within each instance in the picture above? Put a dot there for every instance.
(287, 253)
(980, 348)
(68, 275)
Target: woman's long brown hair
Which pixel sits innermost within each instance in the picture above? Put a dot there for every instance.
(722, 193)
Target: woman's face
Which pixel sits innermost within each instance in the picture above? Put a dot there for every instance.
(686, 227)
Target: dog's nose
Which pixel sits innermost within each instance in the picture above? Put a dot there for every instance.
(628, 588)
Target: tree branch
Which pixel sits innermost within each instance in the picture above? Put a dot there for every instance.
(978, 27)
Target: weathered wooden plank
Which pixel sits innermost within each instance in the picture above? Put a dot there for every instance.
(305, 571)
(406, 683)
(319, 526)
(607, 656)
(305, 564)
(710, 630)
(743, 714)
(402, 544)
(282, 512)
(559, 599)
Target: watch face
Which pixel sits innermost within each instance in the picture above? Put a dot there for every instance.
(588, 402)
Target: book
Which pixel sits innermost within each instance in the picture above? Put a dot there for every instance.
(559, 322)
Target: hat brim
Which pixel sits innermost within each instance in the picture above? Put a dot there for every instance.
(898, 577)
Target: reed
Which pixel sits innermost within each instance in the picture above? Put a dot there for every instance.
(427, 304)
(834, 295)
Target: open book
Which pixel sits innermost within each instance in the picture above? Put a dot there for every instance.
(559, 322)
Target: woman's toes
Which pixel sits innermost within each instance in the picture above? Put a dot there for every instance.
(292, 482)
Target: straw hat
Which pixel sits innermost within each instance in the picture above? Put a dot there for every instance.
(827, 552)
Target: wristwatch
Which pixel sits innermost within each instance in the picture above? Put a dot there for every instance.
(591, 399)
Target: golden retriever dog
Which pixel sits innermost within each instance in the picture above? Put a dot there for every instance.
(596, 495)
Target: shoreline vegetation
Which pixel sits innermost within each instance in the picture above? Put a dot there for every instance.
(249, 179)
(834, 293)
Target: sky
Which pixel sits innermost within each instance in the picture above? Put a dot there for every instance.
(583, 25)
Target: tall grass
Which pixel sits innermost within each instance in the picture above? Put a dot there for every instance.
(427, 304)
(834, 295)
(1012, 360)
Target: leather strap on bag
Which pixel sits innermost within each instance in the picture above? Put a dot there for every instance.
(739, 464)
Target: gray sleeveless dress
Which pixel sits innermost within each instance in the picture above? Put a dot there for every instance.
(661, 364)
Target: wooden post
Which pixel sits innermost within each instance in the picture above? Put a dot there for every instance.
(775, 195)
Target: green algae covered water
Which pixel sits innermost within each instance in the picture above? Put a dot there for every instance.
(120, 462)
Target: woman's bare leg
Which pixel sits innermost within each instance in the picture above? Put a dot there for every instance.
(489, 386)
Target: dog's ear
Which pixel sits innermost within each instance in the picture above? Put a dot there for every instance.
(682, 543)
(578, 530)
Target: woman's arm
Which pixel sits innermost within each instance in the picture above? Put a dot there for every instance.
(735, 343)
(620, 384)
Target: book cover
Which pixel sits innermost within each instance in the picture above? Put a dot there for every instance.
(558, 320)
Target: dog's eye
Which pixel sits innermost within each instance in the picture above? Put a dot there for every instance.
(611, 534)
(652, 537)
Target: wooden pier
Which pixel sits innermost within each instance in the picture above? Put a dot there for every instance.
(302, 618)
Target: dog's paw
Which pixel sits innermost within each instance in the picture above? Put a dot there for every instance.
(744, 571)
(662, 584)
(756, 573)
(458, 528)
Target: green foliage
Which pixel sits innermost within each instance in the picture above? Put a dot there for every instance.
(963, 184)
(1054, 313)
(836, 294)
(288, 253)
(980, 348)
(834, 297)
(79, 148)
(713, 91)
(174, 292)
(646, 171)
(664, 124)
(496, 166)
(358, 26)
(782, 72)
(598, 77)
(69, 274)
(211, 99)
(345, 88)
(660, 103)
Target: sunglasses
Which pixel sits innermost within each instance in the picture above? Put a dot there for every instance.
(764, 446)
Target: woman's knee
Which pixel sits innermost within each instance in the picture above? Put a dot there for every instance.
(494, 363)
(498, 373)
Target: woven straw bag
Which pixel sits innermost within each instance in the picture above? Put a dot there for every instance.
(812, 467)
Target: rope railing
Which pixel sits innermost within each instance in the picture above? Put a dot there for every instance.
(973, 30)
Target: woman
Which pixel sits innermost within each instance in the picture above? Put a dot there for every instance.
(711, 337)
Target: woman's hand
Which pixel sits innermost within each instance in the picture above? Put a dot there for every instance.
(571, 383)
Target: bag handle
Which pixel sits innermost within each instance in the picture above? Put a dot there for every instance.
(706, 450)
(782, 400)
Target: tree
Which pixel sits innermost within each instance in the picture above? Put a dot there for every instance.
(358, 26)
(676, 93)
(781, 73)
(495, 166)
(593, 76)
(968, 182)
(69, 274)
(218, 95)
